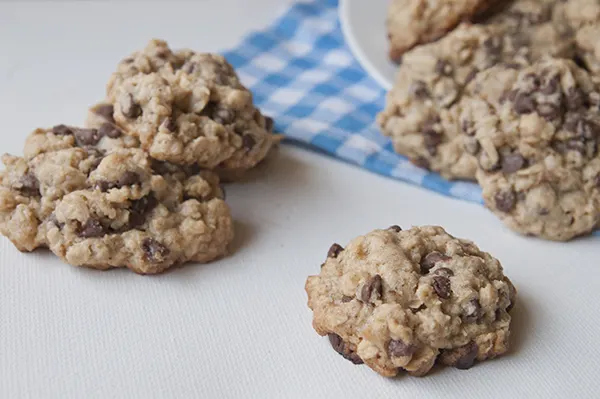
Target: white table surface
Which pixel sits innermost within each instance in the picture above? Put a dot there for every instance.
(240, 327)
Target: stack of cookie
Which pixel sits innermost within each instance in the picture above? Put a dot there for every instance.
(138, 187)
(511, 100)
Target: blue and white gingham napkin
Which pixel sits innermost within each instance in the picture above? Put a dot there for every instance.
(303, 75)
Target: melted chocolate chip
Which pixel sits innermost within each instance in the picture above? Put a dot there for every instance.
(29, 185)
(430, 260)
(109, 130)
(431, 139)
(128, 178)
(85, 137)
(62, 130)
(395, 228)
(419, 89)
(523, 104)
(441, 286)
(334, 251)
(417, 310)
(346, 299)
(340, 347)
(140, 210)
(472, 311)
(398, 348)
(462, 358)
(512, 163)
(248, 141)
(505, 200)
(154, 251)
(443, 68)
(130, 108)
(170, 124)
(372, 289)
(91, 229)
(106, 111)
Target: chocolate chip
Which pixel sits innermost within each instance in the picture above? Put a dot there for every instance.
(109, 130)
(29, 185)
(372, 289)
(248, 141)
(106, 111)
(128, 178)
(398, 348)
(551, 86)
(421, 162)
(170, 124)
(441, 286)
(346, 299)
(419, 89)
(505, 200)
(140, 210)
(62, 130)
(395, 228)
(269, 123)
(85, 137)
(130, 108)
(472, 311)
(91, 229)
(154, 251)
(334, 251)
(417, 310)
(340, 347)
(443, 67)
(523, 104)
(462, 358)
(444, 272)
(431, 139)
(512, 163)
(431, 259)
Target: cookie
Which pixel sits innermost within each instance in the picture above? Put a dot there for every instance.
(414, 22)
(400, 300)
(141, 214)
(535, 133)
(189, 108)
(56, 162)
(422, 109)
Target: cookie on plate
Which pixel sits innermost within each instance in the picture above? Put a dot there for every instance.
(413, 22)
(535, 134)
(141, 214)
(56, 162)
(400, 300)
(422, 109)
(189, 108)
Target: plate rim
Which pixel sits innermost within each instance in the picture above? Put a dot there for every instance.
(355, 48)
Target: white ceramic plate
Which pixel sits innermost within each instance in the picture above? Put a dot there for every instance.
(363, 24)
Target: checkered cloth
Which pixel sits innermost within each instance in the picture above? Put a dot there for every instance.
(303, 75)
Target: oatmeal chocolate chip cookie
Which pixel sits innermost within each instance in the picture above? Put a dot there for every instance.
(421, 114)
(141, 215)
(414, 22)
(397, 299)
(57, 161)
(189, 108)
(535, 135)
